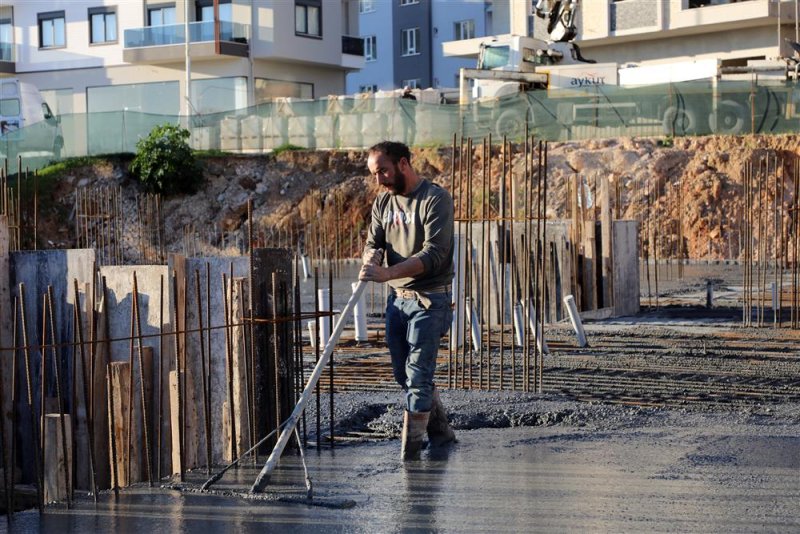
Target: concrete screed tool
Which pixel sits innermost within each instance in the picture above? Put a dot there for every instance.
(288, 428)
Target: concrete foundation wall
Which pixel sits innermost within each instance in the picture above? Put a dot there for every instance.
(37, 270)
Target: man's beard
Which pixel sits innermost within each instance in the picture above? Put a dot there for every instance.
(399, 184)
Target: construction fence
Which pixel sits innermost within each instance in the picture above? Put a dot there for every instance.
(688, 108)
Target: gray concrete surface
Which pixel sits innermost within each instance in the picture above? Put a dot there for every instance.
(580, 468)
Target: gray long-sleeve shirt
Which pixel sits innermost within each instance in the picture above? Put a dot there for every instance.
(419, 225)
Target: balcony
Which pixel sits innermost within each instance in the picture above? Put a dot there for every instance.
(352, 52)
(164, 44)
(7, 58)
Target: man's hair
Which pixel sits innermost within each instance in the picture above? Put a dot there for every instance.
(394, 150)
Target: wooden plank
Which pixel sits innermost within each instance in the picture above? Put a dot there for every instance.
(606, 242)
(174, 414)
(55, 481)
(120, 384)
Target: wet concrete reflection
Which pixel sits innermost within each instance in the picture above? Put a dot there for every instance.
(679, 473)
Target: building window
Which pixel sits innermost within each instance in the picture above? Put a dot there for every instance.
(409, 42)
(464, 29)
(368, 88)
(6, 40)
(370, 48)
(102, 25)
(52, 30)
(161, 15)
(413, 83)
(266, 90)
(205, 10)
(366, 6)
(308, 18)
(408, 2)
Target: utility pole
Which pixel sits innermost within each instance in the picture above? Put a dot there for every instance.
(188, 61)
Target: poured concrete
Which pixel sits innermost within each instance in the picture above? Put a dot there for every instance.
(588, 468)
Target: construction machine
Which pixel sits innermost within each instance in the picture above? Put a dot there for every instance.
(582, 92)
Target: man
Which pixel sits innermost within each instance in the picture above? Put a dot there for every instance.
(412, 222)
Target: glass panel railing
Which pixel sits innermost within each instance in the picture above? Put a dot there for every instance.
(228, 31)
(154, 36)
(199, 32)
(6, 51)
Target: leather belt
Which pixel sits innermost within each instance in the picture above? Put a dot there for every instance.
(421, 295)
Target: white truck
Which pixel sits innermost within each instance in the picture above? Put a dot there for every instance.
(28, 127)
(582, 92)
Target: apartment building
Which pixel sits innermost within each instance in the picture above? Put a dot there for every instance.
(403, 41)
(113, 55)
(653, 31)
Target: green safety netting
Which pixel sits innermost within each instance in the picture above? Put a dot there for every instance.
(689, 108)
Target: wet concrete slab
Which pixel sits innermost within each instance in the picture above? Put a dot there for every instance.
(668, 472)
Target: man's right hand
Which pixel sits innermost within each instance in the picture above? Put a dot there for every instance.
(372, 256)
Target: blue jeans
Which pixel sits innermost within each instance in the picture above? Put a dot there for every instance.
(413, 334)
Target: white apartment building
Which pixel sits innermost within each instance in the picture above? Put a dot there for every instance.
(653, 31)
(114, 55)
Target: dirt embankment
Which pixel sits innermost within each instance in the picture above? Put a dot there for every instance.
(699, 178)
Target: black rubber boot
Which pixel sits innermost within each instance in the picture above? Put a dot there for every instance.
(414, 424)
(439, 430)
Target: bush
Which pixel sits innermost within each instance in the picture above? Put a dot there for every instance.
(165, 163)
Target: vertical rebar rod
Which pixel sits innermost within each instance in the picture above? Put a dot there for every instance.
(330, 362)
(229, 362)
(251, 327)
(59, 394)
(160, 408)
(140, 350)
(31, 407)
(317, 343)
(203, 375)
(86, 396)
(179, 372)
(276, 347)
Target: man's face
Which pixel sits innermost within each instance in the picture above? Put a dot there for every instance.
(387, 174)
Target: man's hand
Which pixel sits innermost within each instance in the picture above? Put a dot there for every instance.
(372, 256)
(374, 273)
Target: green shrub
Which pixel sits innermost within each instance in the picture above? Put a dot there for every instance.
(165, 163)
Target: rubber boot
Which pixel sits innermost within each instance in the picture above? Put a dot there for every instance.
(414, 424)
(439, 430)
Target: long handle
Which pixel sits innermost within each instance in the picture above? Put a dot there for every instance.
(291, 422)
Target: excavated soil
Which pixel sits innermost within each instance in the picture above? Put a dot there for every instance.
(699, 178)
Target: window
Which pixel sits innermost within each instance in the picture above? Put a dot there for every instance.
(370, 48)
(464, 29)
(308, 18)
(52, 30)
(366, 6)
(6, 40)
(408, 2)
(412, 83)
(409, 40)
(102, 25)
(368, 88)
(161, 15)
(266, 90)
(205, 10)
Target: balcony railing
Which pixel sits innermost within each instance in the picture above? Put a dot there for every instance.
(173, 34)
(353, 45)
(6, 51)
